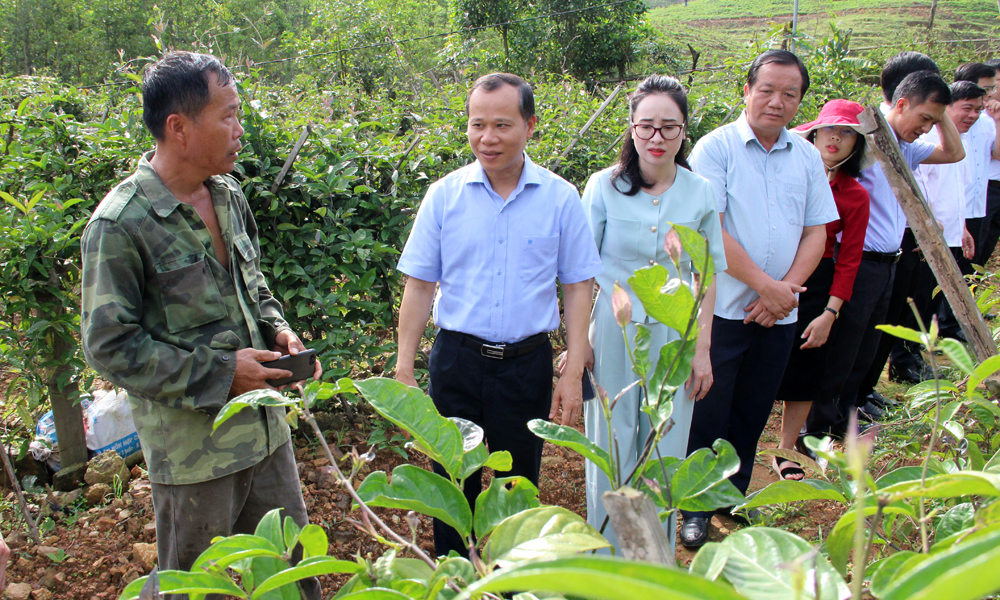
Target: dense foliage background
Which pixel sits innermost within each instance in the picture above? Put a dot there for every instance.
(380, 84)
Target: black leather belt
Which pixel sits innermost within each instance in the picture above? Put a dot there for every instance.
(502, 351)
(882, 257)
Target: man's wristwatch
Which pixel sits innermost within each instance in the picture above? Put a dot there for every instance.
(836, 313)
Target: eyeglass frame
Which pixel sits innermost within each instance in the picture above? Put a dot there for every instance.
(656, 130)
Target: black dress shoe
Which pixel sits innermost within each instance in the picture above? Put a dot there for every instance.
(910, 374)
(694, 532)
(871, 413)
(879, 400)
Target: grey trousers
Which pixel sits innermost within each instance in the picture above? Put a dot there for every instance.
(189, 516)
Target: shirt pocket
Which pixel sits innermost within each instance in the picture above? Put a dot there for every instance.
(246, 255)
(792, 201)
(189, 293)
(539, 258)
(621, 238)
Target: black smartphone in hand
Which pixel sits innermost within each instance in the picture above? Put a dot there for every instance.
(588, 385)
(302, 366)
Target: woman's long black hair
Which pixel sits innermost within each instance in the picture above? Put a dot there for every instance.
(627, 171)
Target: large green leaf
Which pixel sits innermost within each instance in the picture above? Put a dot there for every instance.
(391, 567)
(950, 485)
(958, 354)
(702, 477)
(414, 411)
(182, 582)
(672, 308)
(478, 458)
(269, 528)
(310, 567)
(910, 335)
(672, 369)
(561, 435)
(601, 578)
(958, 517)
(840, 540)
(783, 491)
(640, 354)
(537, 533)
(500, 501)
(965, 571)
(888, 568)
(376, 594)
(252, 399)
(413, 488)
(235, 548)
(760, 563)
(696, 245)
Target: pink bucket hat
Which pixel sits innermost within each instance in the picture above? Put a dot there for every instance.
(842, 113)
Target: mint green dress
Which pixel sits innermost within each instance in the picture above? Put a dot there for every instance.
(630, 231)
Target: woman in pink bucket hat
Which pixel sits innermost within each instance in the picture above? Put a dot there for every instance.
(837, 135)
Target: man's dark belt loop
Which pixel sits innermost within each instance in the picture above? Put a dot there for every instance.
(882, 257)
(501, 351)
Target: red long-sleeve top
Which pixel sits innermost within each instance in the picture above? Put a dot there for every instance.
(853, 206)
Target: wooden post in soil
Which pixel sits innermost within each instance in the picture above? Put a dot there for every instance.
(63, 390)
(883, 140)
(637, 526)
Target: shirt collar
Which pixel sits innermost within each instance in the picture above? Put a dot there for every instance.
(747, 135)
(529, 175)
(160, 198)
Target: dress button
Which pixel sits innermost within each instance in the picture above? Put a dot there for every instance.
(653, 228)
(652, 262)
(225, 358)
(656, 201)
(774, 227)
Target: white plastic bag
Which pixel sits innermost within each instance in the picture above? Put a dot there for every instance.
(107, 422)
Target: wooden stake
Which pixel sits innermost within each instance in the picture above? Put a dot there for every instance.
(291, 159)
(883, 140)
(32, 529)
(586, 127)
(637, 525)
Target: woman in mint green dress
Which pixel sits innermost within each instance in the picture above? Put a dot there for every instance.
(631, 207)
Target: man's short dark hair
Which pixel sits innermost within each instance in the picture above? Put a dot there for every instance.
(965, 90)
(923, 86)
(179, 84)
(898, 67)
(974, 72)
(778, 57)
(493, 81)
(993, 62)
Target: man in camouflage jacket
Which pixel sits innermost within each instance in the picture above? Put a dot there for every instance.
(177, 312)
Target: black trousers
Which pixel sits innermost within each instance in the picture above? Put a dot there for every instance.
(904, 285)
(990, 231)
(500, 396)
(748, 363)
(853, 341)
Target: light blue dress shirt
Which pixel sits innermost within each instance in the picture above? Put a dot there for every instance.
(766, 199)
(497, 262)
(886, 221)
(978, 142)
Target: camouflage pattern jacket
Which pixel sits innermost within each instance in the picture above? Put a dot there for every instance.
(163, 319)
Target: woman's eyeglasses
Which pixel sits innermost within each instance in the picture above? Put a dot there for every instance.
(843, 132)
(667, 132)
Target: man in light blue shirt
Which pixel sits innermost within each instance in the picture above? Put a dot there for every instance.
(775, 200)
(915, 101)
(496, 235)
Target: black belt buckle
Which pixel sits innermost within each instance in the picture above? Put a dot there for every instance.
(491, 351)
